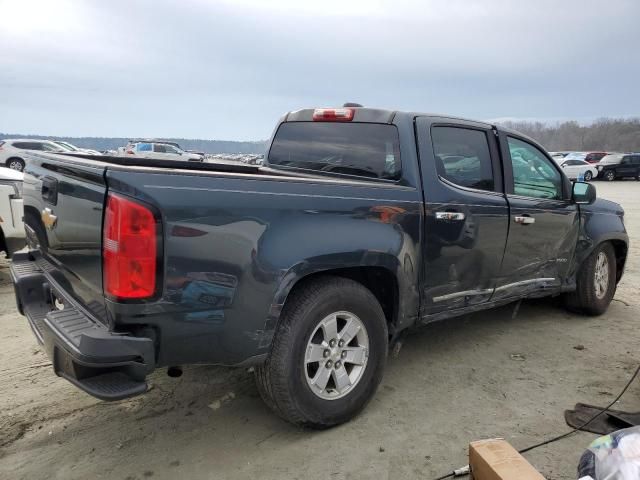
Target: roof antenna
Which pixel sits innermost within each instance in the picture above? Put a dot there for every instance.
(351, 104)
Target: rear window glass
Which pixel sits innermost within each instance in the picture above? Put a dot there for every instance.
(369, 150)
(144, 147)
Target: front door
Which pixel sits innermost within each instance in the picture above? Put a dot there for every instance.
(543, 221)
(466, 213)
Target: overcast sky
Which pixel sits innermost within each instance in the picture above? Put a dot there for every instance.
(229, 69)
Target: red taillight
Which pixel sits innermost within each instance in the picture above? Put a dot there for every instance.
(130, 152)
(129, 249)
(333, 114)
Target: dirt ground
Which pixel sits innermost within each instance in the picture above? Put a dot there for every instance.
(452, 382)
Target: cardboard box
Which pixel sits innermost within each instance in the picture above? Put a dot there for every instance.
(497, 460)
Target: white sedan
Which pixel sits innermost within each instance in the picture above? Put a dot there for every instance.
(574, 169)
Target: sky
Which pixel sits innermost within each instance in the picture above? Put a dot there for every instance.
(229, 69)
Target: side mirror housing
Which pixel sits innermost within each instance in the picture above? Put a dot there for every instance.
(584, 193)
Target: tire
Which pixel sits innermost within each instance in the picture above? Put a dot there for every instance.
(588, 176)
(290, 381)
(590, 296)
(15, 164)
(609, 175)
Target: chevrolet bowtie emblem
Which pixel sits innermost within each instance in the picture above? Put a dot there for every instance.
(49, 219)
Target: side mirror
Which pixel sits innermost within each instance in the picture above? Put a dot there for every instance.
(584, 193)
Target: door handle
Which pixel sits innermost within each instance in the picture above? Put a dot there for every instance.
(524, 220)
(456, 216)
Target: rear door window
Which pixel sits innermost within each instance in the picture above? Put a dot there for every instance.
(369, 150)
(144, 147)
(48, 147)
(462, 157)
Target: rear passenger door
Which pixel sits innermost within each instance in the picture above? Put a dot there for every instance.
(144, 150)
(466, 213)
(543, 221)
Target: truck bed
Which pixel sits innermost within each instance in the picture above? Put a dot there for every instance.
(133, 161)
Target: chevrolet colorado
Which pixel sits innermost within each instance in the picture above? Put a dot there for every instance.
(361, 224)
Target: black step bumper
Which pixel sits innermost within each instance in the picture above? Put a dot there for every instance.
(107, 365)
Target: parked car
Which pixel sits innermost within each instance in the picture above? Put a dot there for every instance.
(575, 169)
(167, 142)
(557, 156)
(72, 148)
(13, 151)
(307, 268)
(160, 151)
(12, 236)
(620, 165)
(594, 157)
(576, 156)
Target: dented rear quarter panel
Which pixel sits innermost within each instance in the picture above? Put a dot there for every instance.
(236, 245)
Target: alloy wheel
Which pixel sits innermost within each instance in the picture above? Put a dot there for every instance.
(336, 355)
(601, 276)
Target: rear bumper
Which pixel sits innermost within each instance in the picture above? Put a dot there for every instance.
(107, 365)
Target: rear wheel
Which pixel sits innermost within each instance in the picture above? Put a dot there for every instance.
(16, 164)
(609, 175)
(588, 176)
(595, 282)
(328, 354)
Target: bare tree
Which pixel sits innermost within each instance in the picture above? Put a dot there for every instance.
(605, 134)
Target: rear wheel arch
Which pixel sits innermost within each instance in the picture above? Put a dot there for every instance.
(380, 281)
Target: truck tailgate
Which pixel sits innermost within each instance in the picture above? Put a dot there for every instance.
(63, 204)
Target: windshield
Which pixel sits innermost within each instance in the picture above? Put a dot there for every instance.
(369, 150)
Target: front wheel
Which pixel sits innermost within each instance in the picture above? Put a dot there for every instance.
(595, 282)
(588, 176)
(609, 176)
(328, 354)
(16, 164)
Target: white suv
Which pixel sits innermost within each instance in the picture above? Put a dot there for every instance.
(159, 151)
(12, 236)
(12, 151)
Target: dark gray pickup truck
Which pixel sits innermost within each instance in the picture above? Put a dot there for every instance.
(361, 224)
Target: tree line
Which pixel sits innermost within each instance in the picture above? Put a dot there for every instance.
(605, 134)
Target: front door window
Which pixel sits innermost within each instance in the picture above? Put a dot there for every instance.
(533, 173)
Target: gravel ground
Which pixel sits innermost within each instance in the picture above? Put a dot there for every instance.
(452, 382)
